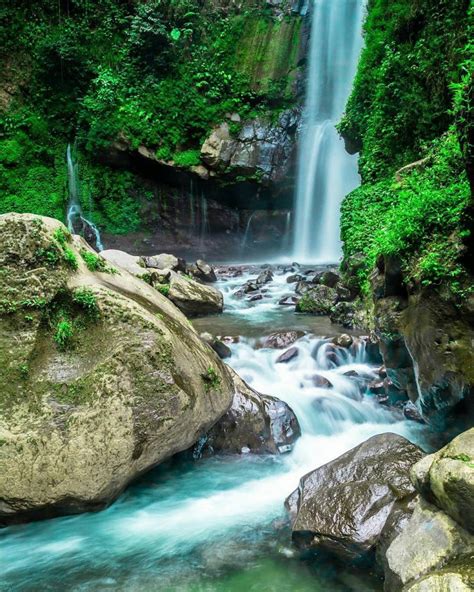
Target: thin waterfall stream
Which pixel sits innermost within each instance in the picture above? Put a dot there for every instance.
(77, 223)
(326, 172)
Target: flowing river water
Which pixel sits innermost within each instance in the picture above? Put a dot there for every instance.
(219, 524)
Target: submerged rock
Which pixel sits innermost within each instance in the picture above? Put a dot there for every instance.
(287, 356)
(255, 423)
(342, 507)
(102, 378)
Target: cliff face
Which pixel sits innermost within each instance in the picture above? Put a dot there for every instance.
(410, 223)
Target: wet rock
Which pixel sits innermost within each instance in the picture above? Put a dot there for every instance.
(193, 298)
(343, 294)
(287, 356)
(446, 478)
(250, 287)
(344, 314)
(264, 277)
(343, 340)
(288, 301)
(255, 423)
(410, 411)
(376, 387)
(342, 507)
(321, 382)
(282, 339)
(255, 297)
(372, 348)
(293, 279)
(351, 374)
(165, 261)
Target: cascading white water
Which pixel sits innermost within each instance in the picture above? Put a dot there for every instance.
(74, 210)
(326, 172)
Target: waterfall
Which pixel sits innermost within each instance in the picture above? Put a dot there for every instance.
(76, 222)
(326, 172)
(245, 238)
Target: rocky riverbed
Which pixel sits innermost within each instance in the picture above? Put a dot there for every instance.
(110, 379)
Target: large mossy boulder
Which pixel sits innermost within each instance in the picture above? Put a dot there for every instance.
(447, 479)
(342, 507)
(101, 377)
(255, 423)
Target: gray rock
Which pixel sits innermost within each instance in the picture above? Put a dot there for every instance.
(343, 506)
(203, 272)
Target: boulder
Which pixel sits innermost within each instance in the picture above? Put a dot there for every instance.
(102, 378)
(447, 479)
(295, 278)
(255, 423)
(429, 541)
(302, 287)
(319, 300)
(193, 298)
(342, 507)
(165, 261)
(282, 339)
(130, 263)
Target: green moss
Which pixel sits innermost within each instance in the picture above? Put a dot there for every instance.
(211, 379)
(63, 336)
(96, 262)
(87, 300)
(163, 289)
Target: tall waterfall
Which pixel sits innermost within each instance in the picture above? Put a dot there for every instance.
(326, 172)
(76, 222)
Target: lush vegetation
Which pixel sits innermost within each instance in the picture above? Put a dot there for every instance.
(412, 102)
(159, 73)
